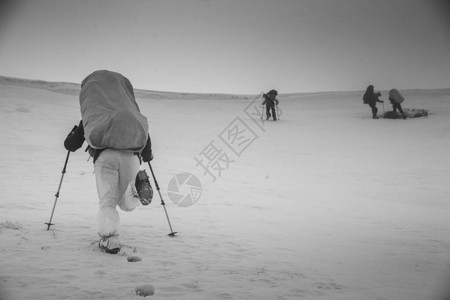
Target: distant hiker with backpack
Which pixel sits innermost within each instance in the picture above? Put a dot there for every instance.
(118, 138)
(271, 101)
(371, 98)
(396, 99)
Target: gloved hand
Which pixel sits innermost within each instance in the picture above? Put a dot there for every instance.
(73, 130)
(75, 138)
(146, 153)
(147, 156)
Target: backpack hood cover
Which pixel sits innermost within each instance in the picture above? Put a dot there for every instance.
(111, 116)
(396, 96)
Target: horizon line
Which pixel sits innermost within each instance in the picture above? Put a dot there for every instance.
(40, 81)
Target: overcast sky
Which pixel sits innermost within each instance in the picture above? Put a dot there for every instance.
(231, 46)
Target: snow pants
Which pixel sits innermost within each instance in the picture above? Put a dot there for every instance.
(374, 108)
(397, 106)
(268, 109)
(115, 174)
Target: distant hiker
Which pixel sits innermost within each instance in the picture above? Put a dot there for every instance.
(396, 99)
(118, 138)
(371, 98)
(270, 101)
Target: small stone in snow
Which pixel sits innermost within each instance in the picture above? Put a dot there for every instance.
(134, 258)
(145, 290)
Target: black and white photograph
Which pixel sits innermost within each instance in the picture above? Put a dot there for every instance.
(225, 149)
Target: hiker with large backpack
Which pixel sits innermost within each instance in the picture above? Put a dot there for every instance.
(396, 99)
(270, 101)
(371, 98)
(118, 140)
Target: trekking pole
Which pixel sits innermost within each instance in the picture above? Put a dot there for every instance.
(57, 193)
(172, 233)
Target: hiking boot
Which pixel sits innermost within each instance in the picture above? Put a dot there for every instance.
(143, 187)
(109, 244)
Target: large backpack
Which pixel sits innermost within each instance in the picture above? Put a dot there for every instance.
(366, 98)
(111, 116)
(395, 95)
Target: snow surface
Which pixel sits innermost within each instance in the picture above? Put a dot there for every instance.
(324, 204)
